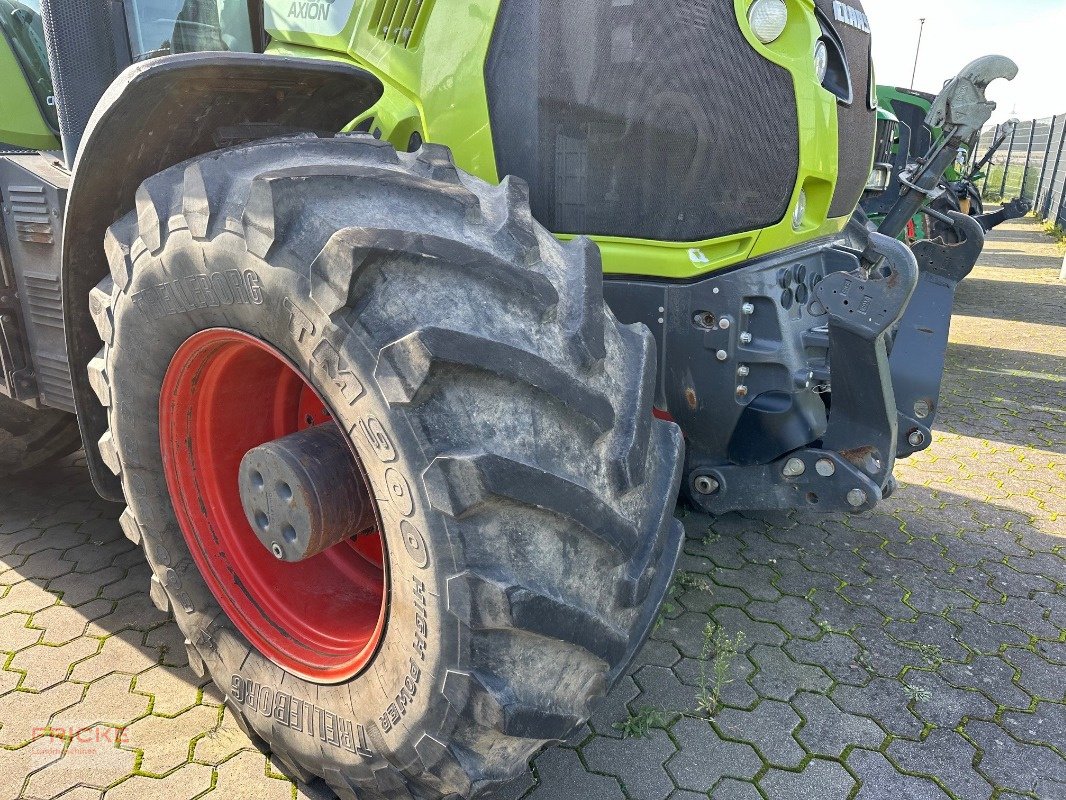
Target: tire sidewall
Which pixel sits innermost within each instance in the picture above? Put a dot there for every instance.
(383, 713)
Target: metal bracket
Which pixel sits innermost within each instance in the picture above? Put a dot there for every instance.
(920, 346)
(863, 310)
(809, 478)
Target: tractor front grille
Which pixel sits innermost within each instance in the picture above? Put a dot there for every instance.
(651, 119)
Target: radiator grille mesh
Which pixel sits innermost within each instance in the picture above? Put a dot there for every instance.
(652, 119)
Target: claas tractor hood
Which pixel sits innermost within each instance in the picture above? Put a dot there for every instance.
(685, 137)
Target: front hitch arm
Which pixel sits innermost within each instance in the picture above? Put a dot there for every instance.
(863, 311)
(921, 343)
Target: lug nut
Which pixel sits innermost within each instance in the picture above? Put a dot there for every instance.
(705, 484)
(275, 548)
(825, 468)
(742, 391)
(917, 438)
(857, 498)
(743, 371)
(722, 355)
(724, 323)
(745, 338)
(748, 308)
(794, 467)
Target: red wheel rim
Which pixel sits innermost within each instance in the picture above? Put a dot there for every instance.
(225, 393)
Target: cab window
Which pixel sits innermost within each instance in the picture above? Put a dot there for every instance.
(163, 27)
(20, 24)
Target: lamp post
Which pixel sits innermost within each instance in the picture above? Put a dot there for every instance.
(918, 50)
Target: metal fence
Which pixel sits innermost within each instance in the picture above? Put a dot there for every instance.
(1031, 164)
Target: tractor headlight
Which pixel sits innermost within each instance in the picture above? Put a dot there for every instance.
(800, 212)
(821, 60)
(768, 19)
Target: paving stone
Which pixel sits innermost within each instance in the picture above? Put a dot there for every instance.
(827, 730)
(123, 651)
(880, 780)
(16, 765)
(189, 782)
(93, 760)
(1046, 724)
(779, 677)
(45, 666)
(1036, 675)
(1009, 764)
(768, 727)
(928, 631)
(820, 780)
(837, 654)
(883, 701)
(15, 632)
(703, 758)
(991, 676)
(221, 741)
(75, 588)
(662, 690)
(729, 789)
(25, 715)
(562, 775)
(794, 614)
(734, 622)
(172, 690)
(637, 763)
(979, 635)
(943, 705)
(246, 777)
(615, 708)
(62, 623)
(945, 756)
(107, 701)
(167, 742)
(686, 632)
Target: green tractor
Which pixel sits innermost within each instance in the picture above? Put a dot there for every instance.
(905, 136)
(320, 285)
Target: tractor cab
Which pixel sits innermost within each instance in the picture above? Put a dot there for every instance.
(131, 31)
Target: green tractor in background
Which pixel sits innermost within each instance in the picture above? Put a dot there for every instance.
(904, 137)
(320, 284)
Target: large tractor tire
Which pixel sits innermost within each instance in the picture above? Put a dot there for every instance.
(30, 437)
(307, 339)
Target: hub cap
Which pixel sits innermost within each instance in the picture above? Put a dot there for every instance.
(227, 393)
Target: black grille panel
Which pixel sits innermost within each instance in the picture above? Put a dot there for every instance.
(652, 119)
(857, 122)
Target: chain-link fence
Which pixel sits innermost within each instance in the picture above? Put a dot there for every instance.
(1031, 164)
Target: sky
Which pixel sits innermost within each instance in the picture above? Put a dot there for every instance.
(1032, 32)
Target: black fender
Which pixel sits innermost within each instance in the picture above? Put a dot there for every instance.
(157, 114)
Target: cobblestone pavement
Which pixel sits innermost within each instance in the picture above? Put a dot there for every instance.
(915, 652)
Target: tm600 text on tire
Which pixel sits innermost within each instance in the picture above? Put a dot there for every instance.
(418, 328)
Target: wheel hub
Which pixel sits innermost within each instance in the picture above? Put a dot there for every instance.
(230, 399)
(303, 494)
